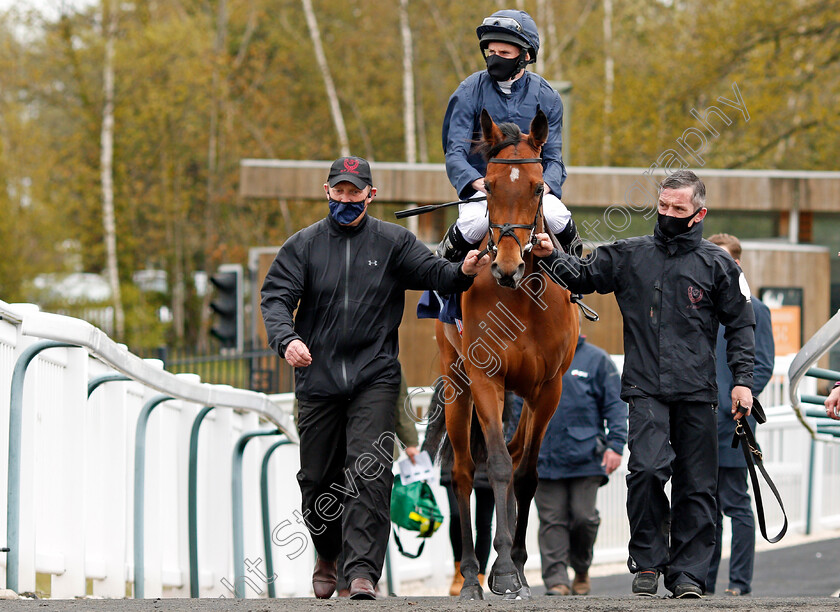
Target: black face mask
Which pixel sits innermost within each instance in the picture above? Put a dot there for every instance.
(502, 69)
(674, 226)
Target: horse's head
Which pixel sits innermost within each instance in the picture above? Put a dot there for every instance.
(514, 183)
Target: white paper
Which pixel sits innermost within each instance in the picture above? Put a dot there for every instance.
(422, 469)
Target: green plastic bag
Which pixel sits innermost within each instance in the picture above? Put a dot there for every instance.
(414, 507)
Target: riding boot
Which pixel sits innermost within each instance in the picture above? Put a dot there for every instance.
(453, 247)
(570, 240)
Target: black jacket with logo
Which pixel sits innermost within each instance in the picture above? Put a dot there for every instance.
(673, 294)
(350, 285)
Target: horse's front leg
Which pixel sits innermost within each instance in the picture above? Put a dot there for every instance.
(489, 399)
(527, 442)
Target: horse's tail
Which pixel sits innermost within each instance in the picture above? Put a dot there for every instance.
(436, 425)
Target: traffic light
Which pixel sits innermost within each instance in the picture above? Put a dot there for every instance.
(227, 306)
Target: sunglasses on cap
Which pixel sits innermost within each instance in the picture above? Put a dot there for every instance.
(504, 22)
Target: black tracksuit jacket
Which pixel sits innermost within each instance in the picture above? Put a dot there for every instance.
(350, 285)
(673, 293)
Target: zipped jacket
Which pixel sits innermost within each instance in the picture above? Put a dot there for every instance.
(673, 293)
(462, 127)
(348, 285)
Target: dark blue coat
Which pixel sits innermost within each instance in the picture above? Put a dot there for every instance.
(461, 127)
(765, 351)
(576, 438)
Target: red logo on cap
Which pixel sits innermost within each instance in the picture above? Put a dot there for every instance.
(351, 165)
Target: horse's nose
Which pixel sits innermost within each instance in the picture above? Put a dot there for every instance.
(507, 280)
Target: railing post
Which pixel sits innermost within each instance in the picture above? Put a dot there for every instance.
(266, 521)
(389, 578)
(236, 500)
(15, 426)
(95, 383)
(192, 503)
(812, 460)
(139, 491)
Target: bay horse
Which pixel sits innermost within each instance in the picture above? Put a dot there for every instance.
(520, 331)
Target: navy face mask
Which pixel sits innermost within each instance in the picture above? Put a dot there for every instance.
(346, 212)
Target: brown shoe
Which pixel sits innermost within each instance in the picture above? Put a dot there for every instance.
(324, 578)
(457, 581)
(581, 585)
(362, 588)
(558, 590)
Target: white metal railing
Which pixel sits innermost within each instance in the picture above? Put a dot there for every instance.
(819, 344)
(76, 466)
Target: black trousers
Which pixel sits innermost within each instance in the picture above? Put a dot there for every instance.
(676, 441)
(733, 500)
(345, 477)
(485, 503)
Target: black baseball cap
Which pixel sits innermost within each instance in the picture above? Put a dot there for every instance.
(353, 169)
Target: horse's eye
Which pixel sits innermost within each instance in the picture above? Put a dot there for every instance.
(539, 190)
(487, 188)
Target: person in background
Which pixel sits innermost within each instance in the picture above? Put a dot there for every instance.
(832, 402)
(733, 499)
(582, 446)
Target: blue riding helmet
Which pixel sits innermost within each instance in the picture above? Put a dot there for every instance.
(513, 27)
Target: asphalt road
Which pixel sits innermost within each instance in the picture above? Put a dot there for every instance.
(799, 577)
(806, 570)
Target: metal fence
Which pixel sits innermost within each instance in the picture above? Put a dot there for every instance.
(258, 369)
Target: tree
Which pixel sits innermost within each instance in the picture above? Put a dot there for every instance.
(109, 21)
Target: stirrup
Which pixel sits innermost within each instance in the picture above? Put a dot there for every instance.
(586, 311)
(454, 247)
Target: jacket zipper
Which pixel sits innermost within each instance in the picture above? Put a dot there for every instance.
(346, 305)
(657, 303)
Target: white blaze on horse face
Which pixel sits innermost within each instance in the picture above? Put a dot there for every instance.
(514, 174)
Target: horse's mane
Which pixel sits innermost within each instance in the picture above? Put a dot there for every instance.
(512, 135)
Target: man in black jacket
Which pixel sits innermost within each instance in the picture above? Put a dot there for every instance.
(347, 276)
(673, 288)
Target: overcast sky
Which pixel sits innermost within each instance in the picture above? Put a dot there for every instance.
(51, 8)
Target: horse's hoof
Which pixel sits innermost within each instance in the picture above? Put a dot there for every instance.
(472, 592)
(504, 584)
(524, 593)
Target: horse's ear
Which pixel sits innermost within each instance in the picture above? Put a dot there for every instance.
(491, 132)
(538, 132)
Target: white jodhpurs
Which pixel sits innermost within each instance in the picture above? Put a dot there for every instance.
(473, 222)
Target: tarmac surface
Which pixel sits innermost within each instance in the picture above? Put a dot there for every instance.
(799, 577)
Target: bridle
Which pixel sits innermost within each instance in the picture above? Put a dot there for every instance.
(506, 229)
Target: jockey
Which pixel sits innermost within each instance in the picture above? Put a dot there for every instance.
(509, 41)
